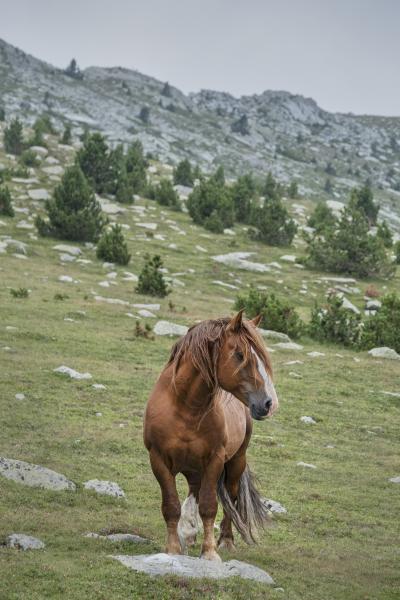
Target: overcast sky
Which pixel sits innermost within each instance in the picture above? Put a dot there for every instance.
(343, 53)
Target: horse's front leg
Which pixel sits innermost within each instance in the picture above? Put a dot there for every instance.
(208, 506)
(170, 507)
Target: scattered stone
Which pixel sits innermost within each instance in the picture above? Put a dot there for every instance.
(111, 300)
(25, 225)
(53, 170)
(109, 488)
(238, 260)
(339, 279)
(24, 542)
(72, 373)
(269, 334)
(20, 396)
(201, 249)
(306, 465)
(227, 285)
(273, 506)
(34, 475)
(384, 352)
(170, 329)
(295, 375)
(98, 386)
(65, 278)
(288, 258)
(41, 150)
(74, 250)
(143, 312)
(288, 346)
(105, 284)
(189, 566)
(350, 306)
(315, 354)
(373, 305)
(147, 306)
(110, 208)
(130, 277)
(98, 414)
(294, 362)
(394, 394)
(395, 479)
(39, 194)
(150, 226)
(119, 537)
(308, 420)
(67, 258)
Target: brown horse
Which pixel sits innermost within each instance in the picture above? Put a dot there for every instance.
(198, 422)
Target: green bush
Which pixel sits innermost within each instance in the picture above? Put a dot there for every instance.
(322, 218)
(74, 213)
(94, 161)
(21, 292)
(6, 208)
(166, 195)
(349, 248)
(136, 167)
(362, 199)
(210, 204)
(112, 246)
(383, 328)
(13, 141)
(384, 233)
(183, 174)
(151, 281)
(334, 323)
(67, 135)
(397, 252)
(278, 315)
(29, 159)
(243, 195)
(293, 190)
(41, 126)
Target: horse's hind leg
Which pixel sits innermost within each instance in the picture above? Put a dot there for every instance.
(233, 471)
(170, 507)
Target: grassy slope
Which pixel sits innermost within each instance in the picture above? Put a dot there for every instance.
(340, 536)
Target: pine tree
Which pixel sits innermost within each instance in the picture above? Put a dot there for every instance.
(241, 126)
(74, 213)
(211, 205)
(183, 174)
(243, 195)
(166, 91)
(94, 161)
(73, 70)
(112, 246)
(13, 142)
(166, 195)
(136, 167)
(385, 234)
(67, 136)
(322, 218)
(144, 114)
(6, 208)
(151, 281)
(293, 190)
(362, 199)
(2, 113)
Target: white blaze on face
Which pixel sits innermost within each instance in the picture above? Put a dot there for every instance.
(268, 385)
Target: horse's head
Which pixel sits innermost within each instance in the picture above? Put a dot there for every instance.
(244, 368)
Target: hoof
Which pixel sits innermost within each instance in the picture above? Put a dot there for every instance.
(211, 555)
(226, 544)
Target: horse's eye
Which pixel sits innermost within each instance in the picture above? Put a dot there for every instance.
(239, 356)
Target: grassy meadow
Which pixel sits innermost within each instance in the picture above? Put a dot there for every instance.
(340, 536)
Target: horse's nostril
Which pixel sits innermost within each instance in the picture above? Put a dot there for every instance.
(268, 404)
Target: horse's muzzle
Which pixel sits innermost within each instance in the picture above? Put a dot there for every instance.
(259, 408)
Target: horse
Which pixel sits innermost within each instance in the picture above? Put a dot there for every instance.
(198, 422)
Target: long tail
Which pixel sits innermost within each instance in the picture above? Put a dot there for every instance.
(248, 513)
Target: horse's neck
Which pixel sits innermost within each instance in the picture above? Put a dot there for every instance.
(190, 388)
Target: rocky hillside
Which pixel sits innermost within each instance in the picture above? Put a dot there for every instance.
(278, 131)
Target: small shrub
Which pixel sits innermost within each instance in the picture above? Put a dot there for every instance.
(166, 195)
(278, 315)
(112, 247)
(183, 174)
(29, 159)
(322, 218)
(67, 135)
(60, 297)
(333, 323)
(6, 208)
(151, 281)
(74, 213)
(144, 332)
(21, 292)
(362, 199)
(383, 328)
(13, 141)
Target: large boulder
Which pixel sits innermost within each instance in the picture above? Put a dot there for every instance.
(24, 542)
(34, 475)
(384, 352)
(170, 329)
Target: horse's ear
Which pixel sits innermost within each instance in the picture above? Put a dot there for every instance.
(257, 320)
(236, 322)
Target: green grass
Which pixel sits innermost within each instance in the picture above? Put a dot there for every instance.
(339, 539)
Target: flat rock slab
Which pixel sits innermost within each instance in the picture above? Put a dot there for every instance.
(288, 346)
(239, 260)
(109, 488)
(72, 373)
(74, 250)
(171, 329)
(308, 420)
(395, 479)
(119, 537)
(269, 334)
(274, 507)
(34, 475)
(24, 542)
(147, 306)
(40, 194)
(188, 566)
(384, 352)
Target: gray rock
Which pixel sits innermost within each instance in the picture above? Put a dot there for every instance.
(119, 537)
(315, 354)
(373, 305)
(65, 257)
(288, 258)
(306, 465)
(109, 488)
(269, 334)
(147, 306)
(34, 475)
(24, 542)
(395, 479)
(239, 260)
(39, 194)
(72, 373)
(288, 346)
(308, 420)
(188, 566)
(273, 506)
(39, 150)
(394, 394)
(54, 170)
(74, 250)
(384, 352)
(20, 396)
(111, 300)
(110, 208)
(170, 329)
(143, 312)
(350, 306)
